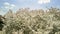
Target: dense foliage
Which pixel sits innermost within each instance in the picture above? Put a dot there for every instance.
(32, 21)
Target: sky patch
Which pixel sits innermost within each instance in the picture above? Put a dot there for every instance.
(43, 1)
(9, 6)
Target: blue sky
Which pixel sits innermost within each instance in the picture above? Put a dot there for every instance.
(32, 4)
